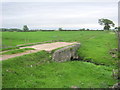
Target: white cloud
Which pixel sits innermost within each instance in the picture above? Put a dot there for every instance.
(54, 14)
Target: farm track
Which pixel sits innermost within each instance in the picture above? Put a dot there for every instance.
(47, 47)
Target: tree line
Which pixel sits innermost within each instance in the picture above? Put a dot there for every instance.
(105, 22)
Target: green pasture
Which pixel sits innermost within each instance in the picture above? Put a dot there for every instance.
(38, 71)
(95, 45)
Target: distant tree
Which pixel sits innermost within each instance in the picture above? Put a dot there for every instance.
(116, 27)
(83, 29)
(10, 29)
(107, 23)
(25, 28)
(60, 29)
(3, 29)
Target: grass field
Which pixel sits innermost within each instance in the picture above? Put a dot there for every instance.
(37, 70)
(95, 45)
(16, 38)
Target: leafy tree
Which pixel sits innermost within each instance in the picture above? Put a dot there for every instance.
(107, 23)
(25, 28)
(83, 29)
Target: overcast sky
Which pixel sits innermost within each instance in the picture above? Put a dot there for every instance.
(52, 14)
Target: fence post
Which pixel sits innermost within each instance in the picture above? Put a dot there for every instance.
(119, 29)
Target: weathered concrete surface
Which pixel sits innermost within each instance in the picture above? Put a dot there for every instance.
(66, 53)
(47, 47)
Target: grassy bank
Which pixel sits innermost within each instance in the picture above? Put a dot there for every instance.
(38, 71)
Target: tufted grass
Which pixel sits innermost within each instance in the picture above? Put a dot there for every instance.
(38, 71)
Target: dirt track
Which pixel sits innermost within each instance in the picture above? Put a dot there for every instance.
(46, 47)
